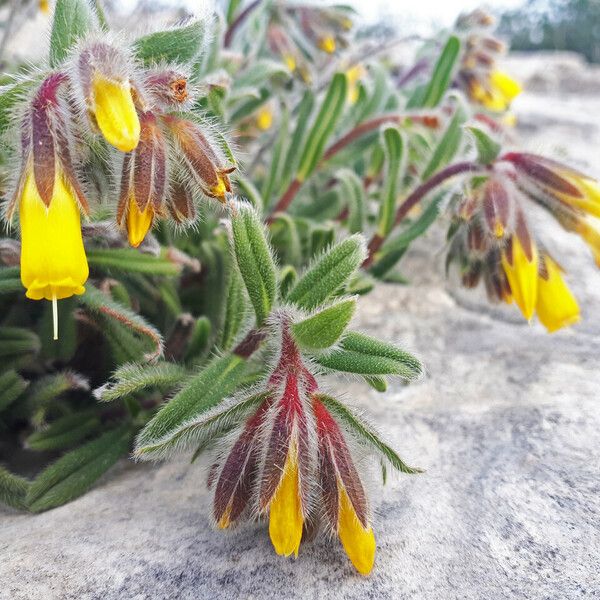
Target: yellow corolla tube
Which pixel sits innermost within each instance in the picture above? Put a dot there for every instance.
(556, 306)
(53, 261)
(114, 110)
(522, 274)
(138, 222)
(358, 542)
(285, 519)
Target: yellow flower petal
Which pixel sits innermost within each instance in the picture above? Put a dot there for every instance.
(522, 276)
(53, 261)
(285, 520)
(290, 62)
(590, 189)
(358, 542)
(327, 44)
(115, 112)
(264, 118)
(592, 237)
(556, 306)
(138, 222)
(505, 85)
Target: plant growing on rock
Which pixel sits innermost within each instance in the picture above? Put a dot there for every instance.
(160, 296)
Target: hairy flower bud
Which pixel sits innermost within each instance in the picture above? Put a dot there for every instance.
(167, 89)
(104, 75)
(143, 181)
(201, 157)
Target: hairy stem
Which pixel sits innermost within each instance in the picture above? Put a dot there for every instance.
(415, 197)
(237, 22)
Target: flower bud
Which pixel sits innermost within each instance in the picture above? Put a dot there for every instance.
(496, 207)
(180, 203)
(143, 182)
(200, 157)
(167, 89)
(104, 75)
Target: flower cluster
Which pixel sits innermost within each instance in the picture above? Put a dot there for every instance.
(166, 158)
(493, 239)
(478, 75)
(291, 462)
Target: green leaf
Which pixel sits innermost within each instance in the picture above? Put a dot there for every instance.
(448, 145)
(304, 111)
(379, 384)
(200, 430)
(417, 228)
(65, 432)
(255, 260)
(13, 489)
(75, 472)
(122, 327)
(364, 355)
(11, 95)
(328, 273)
(133, 378)
(247, 189)
(199, 340)
(177, 45)
(73, 19)
(18, 341)
(365, 434)
(353, 195)
(235, 311)
(219, 379)
(394, 150)
(278, 157)
(12, 385)
(259, 73)
(323, 126)
(487, 148)
(129, 260)
(287, 278)
(325, 328)
(441, 77)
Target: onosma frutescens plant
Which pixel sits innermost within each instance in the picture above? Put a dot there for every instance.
(203, 299)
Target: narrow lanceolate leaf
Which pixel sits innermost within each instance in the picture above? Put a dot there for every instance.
(361, 354)
(278, 158)
(199, 431)
(325, 328)
(353, 195)
(328, 273)
(254, 260)
(415, 229)
(119, 320)
(13, 489)
(206, 390)
(448, 145)
(365, 434)
(73, 19)
(487, 148)
(432, 94)
(75, 472)
(17, 341)
(65, 432)
(134, 378)
(177, 45)
(394, 151)
(198, 344)
(304, 111)
(235, 311)
(323, 126)
(128, 260)
(12, 385)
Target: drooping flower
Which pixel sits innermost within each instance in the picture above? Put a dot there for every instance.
(49, 198)
(344, 500)
(200, 157)
(556, 306)
(143, 182)
(104, 75)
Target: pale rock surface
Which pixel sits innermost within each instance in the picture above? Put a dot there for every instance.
(506, 423)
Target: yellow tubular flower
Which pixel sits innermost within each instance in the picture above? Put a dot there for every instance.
(138, 222)
(327, 44)
(522, 275)
(113, 107)
(285, 520)
(556, 306)
(264, 118)
(505, 85)
(53, 261)
(590, 189)
(358, 542)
